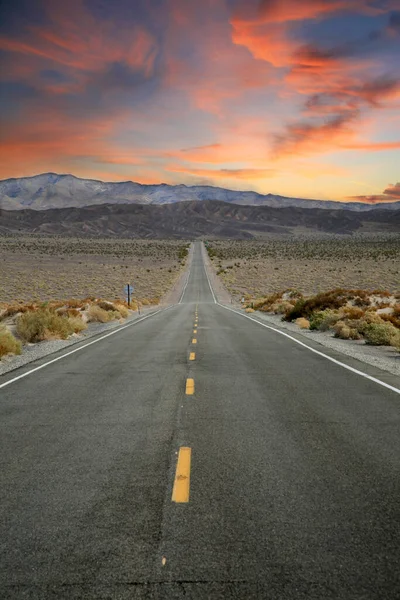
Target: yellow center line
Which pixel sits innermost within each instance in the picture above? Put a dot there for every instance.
(192, 356)
(194, 341)
(180, 493)
(194, 330)
(189, 387)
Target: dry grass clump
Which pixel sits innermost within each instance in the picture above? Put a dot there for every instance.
(303, 323)
(42, 325)
(345, 332)
(8, 343)
(96, 314)
(249, 310)
(123, 311)
(77, 324)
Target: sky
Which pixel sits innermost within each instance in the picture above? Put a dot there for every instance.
(293, 97)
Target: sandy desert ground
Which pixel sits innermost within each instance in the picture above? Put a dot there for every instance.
(309, 264)
(39, 268)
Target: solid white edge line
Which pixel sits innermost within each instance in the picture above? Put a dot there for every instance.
(337, 362)
(84, 346)
(208, 279)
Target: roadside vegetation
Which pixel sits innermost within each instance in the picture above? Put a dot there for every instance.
(372, 316)
(22, 323)
(256, 272)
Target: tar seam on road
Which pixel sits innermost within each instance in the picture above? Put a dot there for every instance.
(2, 385)
(181, 490)
(334, 360)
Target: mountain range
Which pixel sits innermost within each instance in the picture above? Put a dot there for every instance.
(53, 191)
(188, 220)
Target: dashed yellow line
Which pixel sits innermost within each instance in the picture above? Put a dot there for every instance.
(192, 356)
(180, 492)
(194, 341)
(189, 387)
(194, 330)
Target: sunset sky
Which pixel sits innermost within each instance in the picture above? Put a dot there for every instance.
(294, 97)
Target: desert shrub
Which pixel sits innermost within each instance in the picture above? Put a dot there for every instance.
(106, 305)
(96, 314)
(43, 324)
(353, 312)
(77, 324)
(282, 307)
(303, 323)
(249, 310)
(323, 319)
(14, 309)
(345, 332)
(296, 312)
(123, 311)
(114, 314)
(8, 343)
(381, 334)
(75, 303)
(391, 319)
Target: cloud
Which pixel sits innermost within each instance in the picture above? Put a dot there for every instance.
(243, 174)
(390, 194)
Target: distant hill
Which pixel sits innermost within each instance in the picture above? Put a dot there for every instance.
(49, 190)
(189, 220)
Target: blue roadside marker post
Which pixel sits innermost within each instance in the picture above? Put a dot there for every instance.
(128, 289)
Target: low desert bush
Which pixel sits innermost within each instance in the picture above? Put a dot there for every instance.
(106, 305)
(353, 312)
(381, 334)
(77, 324)
(123, 311)
(324, 319)
(96, 314)
(345, 332)
(303, 323)
(43, 325)
(8, 343)
(249, 310)
(75, 303)
(282, 307)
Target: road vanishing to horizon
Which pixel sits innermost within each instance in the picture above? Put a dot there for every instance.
(196, 453)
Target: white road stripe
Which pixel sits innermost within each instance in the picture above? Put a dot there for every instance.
(82, 347)
(208, 279)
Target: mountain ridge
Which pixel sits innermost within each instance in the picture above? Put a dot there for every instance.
(52, 190)
(188, 220)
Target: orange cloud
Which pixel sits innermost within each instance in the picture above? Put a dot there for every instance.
(390, 194)
(245, 174)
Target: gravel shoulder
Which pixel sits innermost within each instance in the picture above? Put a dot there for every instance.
(386, 358)
(33, 352)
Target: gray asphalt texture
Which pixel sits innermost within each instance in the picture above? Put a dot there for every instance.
(295, 475)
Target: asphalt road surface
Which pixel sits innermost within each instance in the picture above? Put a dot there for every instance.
(242, 465)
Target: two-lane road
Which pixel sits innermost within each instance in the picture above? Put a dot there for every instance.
(287, 483)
